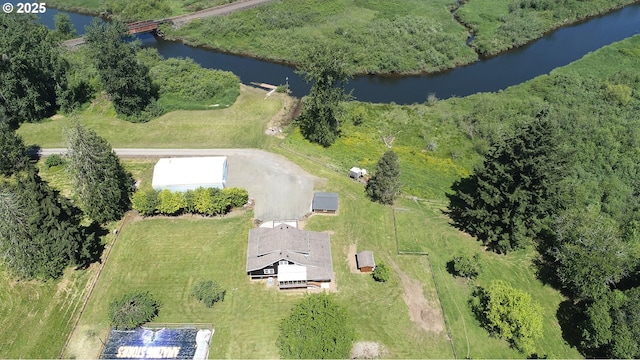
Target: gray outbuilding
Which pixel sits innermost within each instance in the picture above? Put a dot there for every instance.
(365, 261)
(325, 202)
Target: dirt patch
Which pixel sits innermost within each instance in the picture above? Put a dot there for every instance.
(283, 117)
(426, 315)
(87, 345)
(368, 350)
(351, 259)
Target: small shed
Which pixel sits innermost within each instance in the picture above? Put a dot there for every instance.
(365, 261)
(325, 202)
(190, 173)
(357, 173)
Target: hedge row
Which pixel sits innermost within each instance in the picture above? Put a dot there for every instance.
(204, 201)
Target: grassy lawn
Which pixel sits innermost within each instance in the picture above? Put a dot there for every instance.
(36, 317)
(240, 125)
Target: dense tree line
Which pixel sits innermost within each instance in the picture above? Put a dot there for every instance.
(571, 191)
(40, 231)
(32, 72)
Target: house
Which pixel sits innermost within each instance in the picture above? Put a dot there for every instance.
(297, 258)
(190, 173)
(324, 202)
(365, 261)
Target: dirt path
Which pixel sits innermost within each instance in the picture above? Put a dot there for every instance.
(423, 313)
(214, 11)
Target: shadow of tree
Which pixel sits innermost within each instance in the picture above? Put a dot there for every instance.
(92, 247)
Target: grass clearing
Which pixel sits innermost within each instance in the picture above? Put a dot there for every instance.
(36, 317)
(443, 242)
(240, 125)
(409, 36)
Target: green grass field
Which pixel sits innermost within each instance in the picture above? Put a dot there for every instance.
(443, 242)
(177, 7)
(408, 36)
(240, 125)
(36, 317)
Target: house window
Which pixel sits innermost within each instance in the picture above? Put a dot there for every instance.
(269, 271)
(283, 262)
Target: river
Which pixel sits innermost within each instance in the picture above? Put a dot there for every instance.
(556, 49)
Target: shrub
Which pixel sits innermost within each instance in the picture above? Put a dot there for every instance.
(145, 201)
(133, 310)
(508, 313)
(465, 266)
(381, 273)
(237, 197)
(209, 292)
(54, 160)
(171, 203)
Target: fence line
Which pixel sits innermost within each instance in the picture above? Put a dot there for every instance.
(433, 277)
(92, 286)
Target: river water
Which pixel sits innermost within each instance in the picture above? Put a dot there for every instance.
(556, 49)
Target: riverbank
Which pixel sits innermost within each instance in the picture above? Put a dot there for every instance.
(502, 25)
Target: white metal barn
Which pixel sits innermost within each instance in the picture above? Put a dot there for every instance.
(182, 174)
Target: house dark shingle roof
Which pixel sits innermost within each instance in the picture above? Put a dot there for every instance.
(325, 201)
(307, 248)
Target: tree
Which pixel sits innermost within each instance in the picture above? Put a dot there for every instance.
(325, 67)
(64, 28)
(102, 183)
(510, 199)
(463, 265)
(209, 292)
(133, 310)
(40, 232)
(612, 325)
(381, 273)
(509, 313)
(125, 79)
(13, 156)
(384, 185)
(590, 256)
(31, 69)
(316, 329)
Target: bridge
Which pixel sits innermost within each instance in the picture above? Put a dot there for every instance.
(152, 25)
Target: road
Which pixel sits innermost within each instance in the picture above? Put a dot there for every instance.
(282, 190)
(214, 11)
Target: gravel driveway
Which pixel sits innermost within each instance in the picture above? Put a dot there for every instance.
(282, 190)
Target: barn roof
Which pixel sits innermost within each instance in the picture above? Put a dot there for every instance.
(283, 242)
(189, 172)
(325, 201)
(365, 258)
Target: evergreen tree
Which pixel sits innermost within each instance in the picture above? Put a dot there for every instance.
(384, 185)
(316, 329)
(31, 69)
(125, 79)
(40, 231)
(511, 197)
(13, 155)
(326, 69)
(102, 183)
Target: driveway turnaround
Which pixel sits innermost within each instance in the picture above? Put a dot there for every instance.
(282, 190)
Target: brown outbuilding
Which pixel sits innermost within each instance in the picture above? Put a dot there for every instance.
(365, 261)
